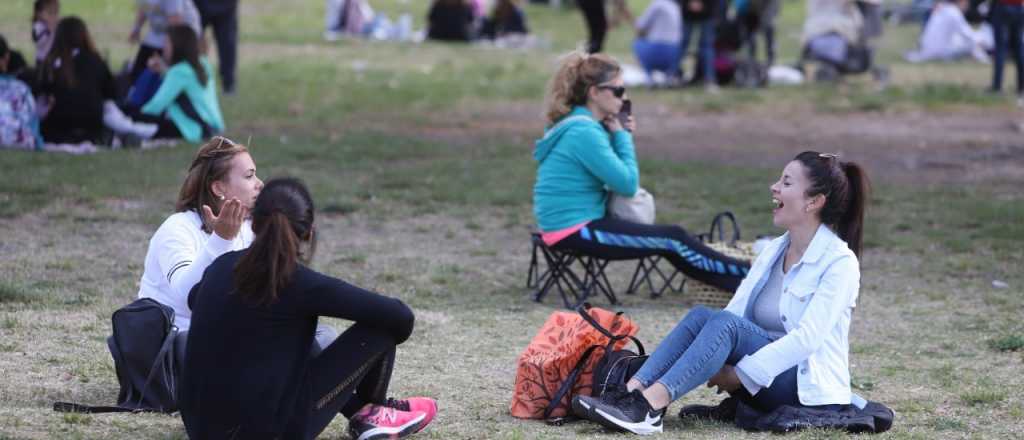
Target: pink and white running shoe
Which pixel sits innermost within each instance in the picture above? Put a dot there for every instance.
(424, 404)
(375, 422)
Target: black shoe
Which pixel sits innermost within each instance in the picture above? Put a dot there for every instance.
(582, 406)
(630, 413)
(725, 411)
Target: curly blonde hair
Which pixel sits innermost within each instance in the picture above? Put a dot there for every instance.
(578, 71)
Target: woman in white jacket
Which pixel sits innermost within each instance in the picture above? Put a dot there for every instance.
(784, 337)
(211, 219)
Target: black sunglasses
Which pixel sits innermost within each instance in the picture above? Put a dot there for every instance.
(617, 91)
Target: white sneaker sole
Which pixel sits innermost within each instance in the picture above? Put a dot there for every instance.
(641, 428)
(393, 431)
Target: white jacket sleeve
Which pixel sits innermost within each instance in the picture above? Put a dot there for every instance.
(834, 294)
(179, 261)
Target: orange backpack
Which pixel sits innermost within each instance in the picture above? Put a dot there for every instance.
(552, 357)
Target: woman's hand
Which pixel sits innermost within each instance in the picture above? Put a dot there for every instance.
(612, 123)
(630, 124)
(726, 380)
(156, 64)
(229, 222)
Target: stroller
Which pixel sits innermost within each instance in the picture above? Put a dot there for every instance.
(838, 41)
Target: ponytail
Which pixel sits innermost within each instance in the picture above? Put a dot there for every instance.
(282, 219)
(568, 88)
(269, 263)
(846, 188)
(851, 223)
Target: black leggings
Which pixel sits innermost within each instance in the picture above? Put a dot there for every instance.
(621, 240)
(351, 372)
(597, 23)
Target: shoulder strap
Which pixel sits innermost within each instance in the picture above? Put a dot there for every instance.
(165, 348)
(568, 383)
(78, 408)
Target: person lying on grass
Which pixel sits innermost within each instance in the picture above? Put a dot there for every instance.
(783, 339)
(248, 369)
(585, 154)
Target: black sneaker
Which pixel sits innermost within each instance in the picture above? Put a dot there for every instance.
(725, 411)
(630, 413)
(582, 406)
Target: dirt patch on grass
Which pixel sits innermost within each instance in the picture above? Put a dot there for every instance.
(963, 146)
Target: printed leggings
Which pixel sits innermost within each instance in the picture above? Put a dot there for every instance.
(352, 371)
(615, 239)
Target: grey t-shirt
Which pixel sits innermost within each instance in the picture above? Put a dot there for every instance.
(158, 13)
(766, 307)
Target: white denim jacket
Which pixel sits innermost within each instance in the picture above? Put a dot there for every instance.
(818, 296)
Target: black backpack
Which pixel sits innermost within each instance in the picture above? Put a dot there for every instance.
(142, 345)
(612, 371)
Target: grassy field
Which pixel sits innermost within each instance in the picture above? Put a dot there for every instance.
(425, 193)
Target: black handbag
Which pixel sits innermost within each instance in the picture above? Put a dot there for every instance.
(142, 345)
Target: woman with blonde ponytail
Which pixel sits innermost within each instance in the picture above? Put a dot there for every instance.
(587, 153)
(248, 370)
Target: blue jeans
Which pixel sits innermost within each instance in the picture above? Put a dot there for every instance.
(706, 46)
(1007, 27)
(701, 344)
(653, 56)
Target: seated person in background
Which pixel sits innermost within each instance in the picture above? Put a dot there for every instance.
(659, 34)
(585, 149)
(784, 337)
(833, 35)
(211, 218)
(45, 14)
(506, 18)
(76, 83)
(450, 20)
(19, 124)
(947, 36)
(161, 15)
(248, 369)
(185, 105)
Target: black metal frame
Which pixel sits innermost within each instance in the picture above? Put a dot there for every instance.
(648, 266)
(561, 273)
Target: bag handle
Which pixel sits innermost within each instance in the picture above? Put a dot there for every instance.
(716, 225)
(583, 310)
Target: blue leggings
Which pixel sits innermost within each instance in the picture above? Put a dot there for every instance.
(615, 239)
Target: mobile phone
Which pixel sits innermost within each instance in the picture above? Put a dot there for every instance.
(625, 111)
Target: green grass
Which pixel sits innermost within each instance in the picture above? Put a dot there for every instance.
(422, 176)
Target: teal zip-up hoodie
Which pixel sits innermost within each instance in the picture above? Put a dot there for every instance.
(180, 78)
(578, 160)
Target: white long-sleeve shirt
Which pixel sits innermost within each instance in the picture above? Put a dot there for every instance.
(178, 254)
(661, 22)
(947, 33)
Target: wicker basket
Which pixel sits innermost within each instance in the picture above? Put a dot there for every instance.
(697, 292)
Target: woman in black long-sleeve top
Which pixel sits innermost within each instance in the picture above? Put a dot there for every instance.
(248, 369)
(78, 81)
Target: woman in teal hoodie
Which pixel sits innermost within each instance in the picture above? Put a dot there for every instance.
(584, 154)
(185, 105)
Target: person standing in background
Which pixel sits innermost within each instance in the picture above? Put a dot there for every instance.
(222, 15)
(1007, 19)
